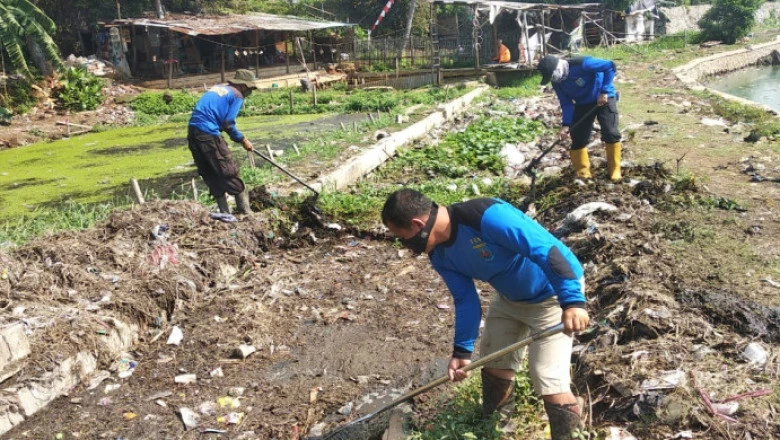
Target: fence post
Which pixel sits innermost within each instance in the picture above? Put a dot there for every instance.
(411, 48)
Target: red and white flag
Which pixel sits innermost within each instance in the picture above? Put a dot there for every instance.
(382, 14)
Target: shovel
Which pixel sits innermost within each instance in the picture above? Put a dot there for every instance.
(370, 426)
(272, 162)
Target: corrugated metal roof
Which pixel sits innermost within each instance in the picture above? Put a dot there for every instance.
(230, 24)
(514, 6)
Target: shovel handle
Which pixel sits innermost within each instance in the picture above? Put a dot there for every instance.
(554, 330)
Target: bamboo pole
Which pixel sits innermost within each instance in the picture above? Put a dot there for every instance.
(139, 196)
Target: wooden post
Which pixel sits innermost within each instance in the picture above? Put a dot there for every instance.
(544, 38)
(291, 101)
(222, 55)
(528, 58)
(475, 42)
(194, 190)
(139, 197)
(257, 52)
(411, 48)
(135, 49)
(313, 51)
(170, 59)
(287, 52)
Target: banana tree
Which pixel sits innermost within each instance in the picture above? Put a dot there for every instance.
(25, 31)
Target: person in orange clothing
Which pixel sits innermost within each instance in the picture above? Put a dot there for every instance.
(504, 56)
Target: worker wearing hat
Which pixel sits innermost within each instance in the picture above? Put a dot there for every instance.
(585, 91)
(215, 112)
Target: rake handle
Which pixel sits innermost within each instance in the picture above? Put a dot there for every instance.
(554, 330)
(272, 162)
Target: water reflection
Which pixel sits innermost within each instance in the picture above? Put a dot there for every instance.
(759, 84)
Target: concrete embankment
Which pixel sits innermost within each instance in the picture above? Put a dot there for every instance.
(692, 73)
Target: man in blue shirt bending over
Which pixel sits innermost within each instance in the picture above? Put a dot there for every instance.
(585, 91)
(538, 281)
(214, 113)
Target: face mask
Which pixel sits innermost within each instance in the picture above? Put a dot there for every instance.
(247, 93)
(419, 242)
(561, 71)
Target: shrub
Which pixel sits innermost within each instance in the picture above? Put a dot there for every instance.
(78, 90)
(18, 98)
(729, 20)
(167, 103)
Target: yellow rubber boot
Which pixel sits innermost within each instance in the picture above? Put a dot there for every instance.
(581, 163)
(613, 161)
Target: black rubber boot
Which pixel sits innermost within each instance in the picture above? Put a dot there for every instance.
(222, 204)
(496, 393)
(564, 420)
(242, 203)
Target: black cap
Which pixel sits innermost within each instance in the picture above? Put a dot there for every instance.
(547, 66)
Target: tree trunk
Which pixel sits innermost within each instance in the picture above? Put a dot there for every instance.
(38, 57)
(158, 8)
(408, 32)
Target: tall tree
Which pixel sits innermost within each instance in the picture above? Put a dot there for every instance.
(25, 31)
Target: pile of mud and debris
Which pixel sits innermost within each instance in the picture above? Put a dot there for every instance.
(163, 322)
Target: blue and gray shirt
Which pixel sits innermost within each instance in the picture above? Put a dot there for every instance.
(588, 78)
(493, 241)
(217, 110)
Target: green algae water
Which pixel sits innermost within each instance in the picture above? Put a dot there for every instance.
(759, 84)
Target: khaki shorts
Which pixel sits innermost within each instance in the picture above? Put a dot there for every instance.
(548, 359)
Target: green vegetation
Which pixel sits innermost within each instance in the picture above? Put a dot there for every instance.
(459, 415)
(729, 20)
(164, 103)
(25, 29)
(79, 90)
(70, 216)
(277, 101)
(17, 98)
(476, 148)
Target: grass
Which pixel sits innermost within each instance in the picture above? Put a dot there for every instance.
(97, 167)
(459, 415)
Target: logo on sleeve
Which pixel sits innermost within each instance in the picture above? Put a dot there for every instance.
(220, 90)
(482, 249)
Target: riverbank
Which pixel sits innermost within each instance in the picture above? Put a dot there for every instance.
(691, 74)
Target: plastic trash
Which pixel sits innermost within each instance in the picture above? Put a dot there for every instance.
(755, 354)
(176, 336)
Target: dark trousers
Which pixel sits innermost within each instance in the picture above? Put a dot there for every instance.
(215, 163)
(608, 120)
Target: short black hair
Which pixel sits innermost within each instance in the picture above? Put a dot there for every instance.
(404, 205)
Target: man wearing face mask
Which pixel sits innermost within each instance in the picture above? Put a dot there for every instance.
(538, 281)
(585, 91)
(215, 112)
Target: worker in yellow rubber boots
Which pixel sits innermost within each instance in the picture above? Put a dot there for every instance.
(585, 91)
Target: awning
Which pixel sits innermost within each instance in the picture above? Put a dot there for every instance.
(230, 24)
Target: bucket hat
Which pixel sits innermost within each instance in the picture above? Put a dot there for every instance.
(245, 77)
(547, 66)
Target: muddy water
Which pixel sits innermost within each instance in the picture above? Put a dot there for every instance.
(759, 84)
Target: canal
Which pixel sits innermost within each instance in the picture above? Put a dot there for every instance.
(760, 84)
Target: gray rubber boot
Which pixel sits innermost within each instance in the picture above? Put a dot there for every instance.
(496, 393)
(242, 203)
(222, 204)
(564, 420)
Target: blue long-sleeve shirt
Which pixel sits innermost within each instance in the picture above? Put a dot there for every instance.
(493, 241)
(217, 110)
(588, 78)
